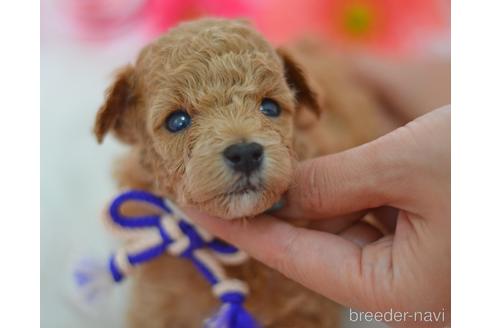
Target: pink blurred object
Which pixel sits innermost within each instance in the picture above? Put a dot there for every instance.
(105, 19)
(101, 19)
(382, 26)
(163, 14)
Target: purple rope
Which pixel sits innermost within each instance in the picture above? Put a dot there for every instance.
(235, 316)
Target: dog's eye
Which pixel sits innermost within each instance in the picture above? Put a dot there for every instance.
(177, 121)
(270, 108)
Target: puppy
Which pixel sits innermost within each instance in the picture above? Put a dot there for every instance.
(217, 119)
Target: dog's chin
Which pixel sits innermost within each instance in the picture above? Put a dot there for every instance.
(240, 204)
(245, 204)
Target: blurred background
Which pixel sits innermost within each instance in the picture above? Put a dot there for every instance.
(84, 41)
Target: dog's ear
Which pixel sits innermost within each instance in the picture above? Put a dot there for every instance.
(118, 106)
(305, 96)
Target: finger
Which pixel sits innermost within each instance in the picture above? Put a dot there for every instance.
(390, 171)
(360, 178)
(326, 263)
(361, 233)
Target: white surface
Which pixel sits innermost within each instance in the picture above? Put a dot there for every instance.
(75, 173)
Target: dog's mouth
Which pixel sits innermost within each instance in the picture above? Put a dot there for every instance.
(249, 188)
(244, 196)
(245, 186)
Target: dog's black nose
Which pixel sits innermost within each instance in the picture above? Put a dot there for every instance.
(244, 157)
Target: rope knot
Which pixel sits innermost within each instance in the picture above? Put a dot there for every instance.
(149, 236)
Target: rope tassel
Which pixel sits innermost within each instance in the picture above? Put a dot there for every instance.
(232, 314)
(150, 236)
(92, 280)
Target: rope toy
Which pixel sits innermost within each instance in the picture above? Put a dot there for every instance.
(150, 236)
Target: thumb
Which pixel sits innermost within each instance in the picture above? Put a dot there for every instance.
(360, 178)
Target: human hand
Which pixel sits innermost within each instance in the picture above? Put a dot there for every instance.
(408, 270)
